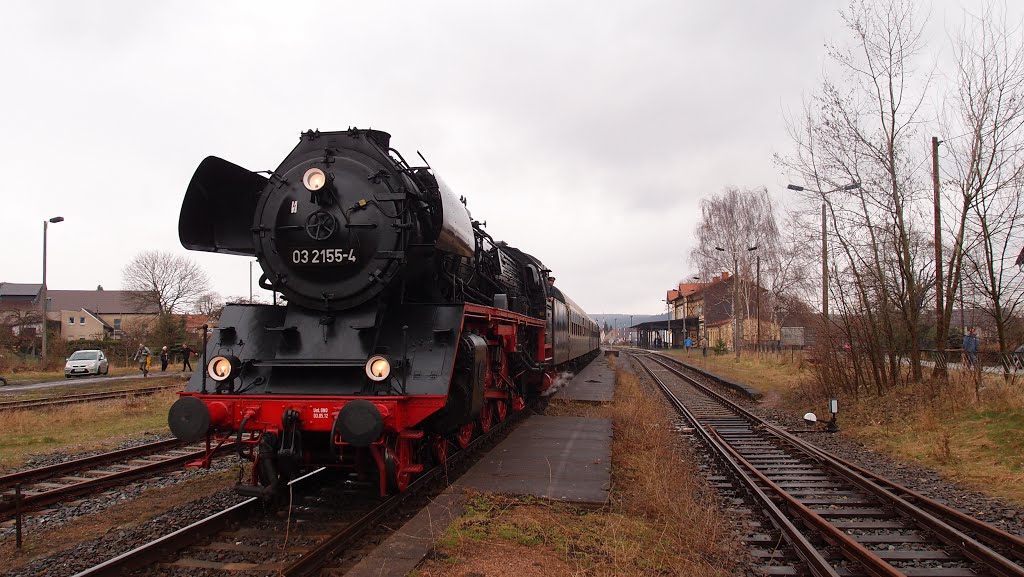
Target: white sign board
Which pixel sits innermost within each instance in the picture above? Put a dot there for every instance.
(793, 336)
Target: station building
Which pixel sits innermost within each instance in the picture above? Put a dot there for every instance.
(704, 311)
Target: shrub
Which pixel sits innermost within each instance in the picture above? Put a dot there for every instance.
(720, 347)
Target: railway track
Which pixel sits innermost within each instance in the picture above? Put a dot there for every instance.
(46, 486)
(835, 518)
(84, 397)
(316, 531)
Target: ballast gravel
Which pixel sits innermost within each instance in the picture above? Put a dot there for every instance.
(1007, 516)
(90, 553)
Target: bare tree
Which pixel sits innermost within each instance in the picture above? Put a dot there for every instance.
(790, 268)
(734, 225)
(133, 333)
(861, 126)
(209, 304)
(15, 325)
(167, 280)
(983, 132)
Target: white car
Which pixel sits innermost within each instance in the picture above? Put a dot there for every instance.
(92, 362)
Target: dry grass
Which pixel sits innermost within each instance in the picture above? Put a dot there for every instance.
(978, 443)
(774, 374)
(76, 428)
(563, 408)
(661, 519)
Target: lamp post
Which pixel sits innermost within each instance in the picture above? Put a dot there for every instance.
(735, 304)
(824, 239)
(757, 296)
(45, 307)
(668, 321)
(699, 337)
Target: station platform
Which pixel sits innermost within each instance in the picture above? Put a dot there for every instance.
(595, 383)
(561, 458)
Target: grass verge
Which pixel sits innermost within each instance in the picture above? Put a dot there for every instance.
(774, 374)
(978, 443)
(77, 428)
(661, 519)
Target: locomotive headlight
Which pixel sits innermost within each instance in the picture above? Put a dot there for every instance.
(314, 179)
(378, 368)
(222, 368)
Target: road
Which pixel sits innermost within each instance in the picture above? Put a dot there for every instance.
(15, 388)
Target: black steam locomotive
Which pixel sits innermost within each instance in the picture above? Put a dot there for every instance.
(407, 327)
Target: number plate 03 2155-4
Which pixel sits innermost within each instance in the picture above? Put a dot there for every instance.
(323, 256)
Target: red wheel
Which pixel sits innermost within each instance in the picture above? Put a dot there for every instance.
(465, 435)
(518, 404)
(502, 410)
(397, 481)
(440, 448)
(487, 416)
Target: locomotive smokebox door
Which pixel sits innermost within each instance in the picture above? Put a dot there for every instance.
(333, 232)
(219, 206)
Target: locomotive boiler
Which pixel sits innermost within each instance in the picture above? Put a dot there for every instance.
(404, 328)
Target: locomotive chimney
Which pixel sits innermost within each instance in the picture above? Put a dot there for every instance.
(383, 139)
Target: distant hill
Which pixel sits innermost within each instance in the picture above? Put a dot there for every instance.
(620, 320)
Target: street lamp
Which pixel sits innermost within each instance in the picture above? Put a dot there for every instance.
(54, 220)
(735, 304)
(824, 238)
(668, 321)
(686, 308)
(757, 295)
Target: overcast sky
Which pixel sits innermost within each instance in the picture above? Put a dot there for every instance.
(585, 133)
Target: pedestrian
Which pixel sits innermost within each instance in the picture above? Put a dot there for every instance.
(704, 345)
(163, 359)
(142, 355)
(970, 347)
(186, 352)
(688, 344)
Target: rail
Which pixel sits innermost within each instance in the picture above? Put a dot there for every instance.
(828, 488)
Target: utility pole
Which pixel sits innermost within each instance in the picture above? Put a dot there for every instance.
(824, 268)
(668, 321)
(736, 306)
(684, 320)
(940, 328)
(758, 289)
(735, 301)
